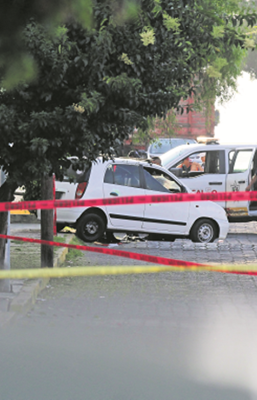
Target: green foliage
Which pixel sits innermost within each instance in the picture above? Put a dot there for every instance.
(125, 59)
(213, 71)
(93, 86)
(218, 32)
(226, 59)
(14, 15)
(22, 68)
(156, 127)
(147, 36)
(171, 23)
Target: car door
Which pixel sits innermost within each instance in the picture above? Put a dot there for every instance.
(239, 175)
(123, 180)
(170, 218)
(209, 177)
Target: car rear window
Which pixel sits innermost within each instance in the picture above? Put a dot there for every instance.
(77, 175)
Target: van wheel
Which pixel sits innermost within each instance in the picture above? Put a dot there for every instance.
(90, 227)
(204, 231)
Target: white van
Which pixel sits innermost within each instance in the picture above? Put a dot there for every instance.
(223, 168)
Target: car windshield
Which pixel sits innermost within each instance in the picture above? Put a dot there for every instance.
(171, 155)
(162, 146)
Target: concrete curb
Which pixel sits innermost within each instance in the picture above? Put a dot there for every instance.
(26, 298)
(24, 218)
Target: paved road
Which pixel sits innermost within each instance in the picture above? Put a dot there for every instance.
(181, 335)
(239, 247)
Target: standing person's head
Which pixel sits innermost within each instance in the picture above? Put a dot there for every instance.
(187, 162)
(156, 160)
(202, 155)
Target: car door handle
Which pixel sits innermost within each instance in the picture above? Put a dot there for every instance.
(215, 183)
(241, 181)
(114, 194)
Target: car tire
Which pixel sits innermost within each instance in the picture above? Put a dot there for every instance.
(204, 231)
(90, 227)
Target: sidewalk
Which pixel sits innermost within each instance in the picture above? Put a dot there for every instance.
(24, 293)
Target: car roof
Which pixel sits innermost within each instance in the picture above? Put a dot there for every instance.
(127, 161)
(205, 147)
(174, 138)
(175, 154)
(184, 139)
(132, 161)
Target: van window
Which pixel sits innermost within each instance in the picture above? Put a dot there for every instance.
(215, 162)
(206, 162)
(241, 161)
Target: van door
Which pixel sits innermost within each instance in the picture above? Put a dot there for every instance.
(238, 178)
(253, 204)
(210, 176)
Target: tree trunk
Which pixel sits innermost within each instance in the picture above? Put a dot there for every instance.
(47, 252)
(6, 194)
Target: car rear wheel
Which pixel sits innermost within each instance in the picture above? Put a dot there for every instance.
(204, 231)
(90, 227)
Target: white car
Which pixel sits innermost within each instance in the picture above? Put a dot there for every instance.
(224, 168)
(202, 221)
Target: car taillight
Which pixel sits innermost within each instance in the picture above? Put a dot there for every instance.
(80, 190)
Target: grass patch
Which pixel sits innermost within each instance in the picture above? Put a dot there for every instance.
(18, 242)
(59, 239)
(28, 255)
(73, 254)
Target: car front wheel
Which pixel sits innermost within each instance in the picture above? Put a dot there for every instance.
(204, 231)
(90, 227)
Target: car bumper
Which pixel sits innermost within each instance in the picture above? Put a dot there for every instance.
(224, 228)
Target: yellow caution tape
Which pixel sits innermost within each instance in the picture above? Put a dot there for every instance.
(119, 270)
(20, 212)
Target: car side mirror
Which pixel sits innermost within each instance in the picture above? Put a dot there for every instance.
(176, 171)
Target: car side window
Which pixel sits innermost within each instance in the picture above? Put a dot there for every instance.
(241, 161)
(124, 175)
(157, 180)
